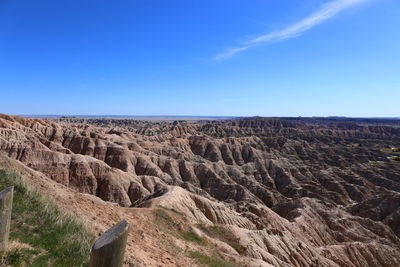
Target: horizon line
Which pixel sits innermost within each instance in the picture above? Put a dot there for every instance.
(200, 116)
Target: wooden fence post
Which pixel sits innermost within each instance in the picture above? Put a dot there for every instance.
(109, 249)
(6, 199)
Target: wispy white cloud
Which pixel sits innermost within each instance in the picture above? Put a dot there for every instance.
(327, 11)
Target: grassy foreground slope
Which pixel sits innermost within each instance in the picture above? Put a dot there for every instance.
(42, 235)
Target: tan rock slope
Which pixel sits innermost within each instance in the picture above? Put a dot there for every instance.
(293, 192)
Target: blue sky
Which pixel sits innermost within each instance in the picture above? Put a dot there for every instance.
(200, 57)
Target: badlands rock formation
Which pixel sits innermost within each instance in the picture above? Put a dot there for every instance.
(294, 192)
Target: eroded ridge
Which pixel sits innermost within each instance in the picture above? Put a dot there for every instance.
(295, 192)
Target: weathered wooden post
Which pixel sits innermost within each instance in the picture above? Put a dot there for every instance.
(6, 199)
(109, 249)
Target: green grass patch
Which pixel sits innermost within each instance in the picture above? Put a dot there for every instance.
(224, 235)
(18, 257)
(53, 238)
(162, 215)
(167, 224)
(164, 222)
(206, 260)
(193, 237)
(171, 209)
